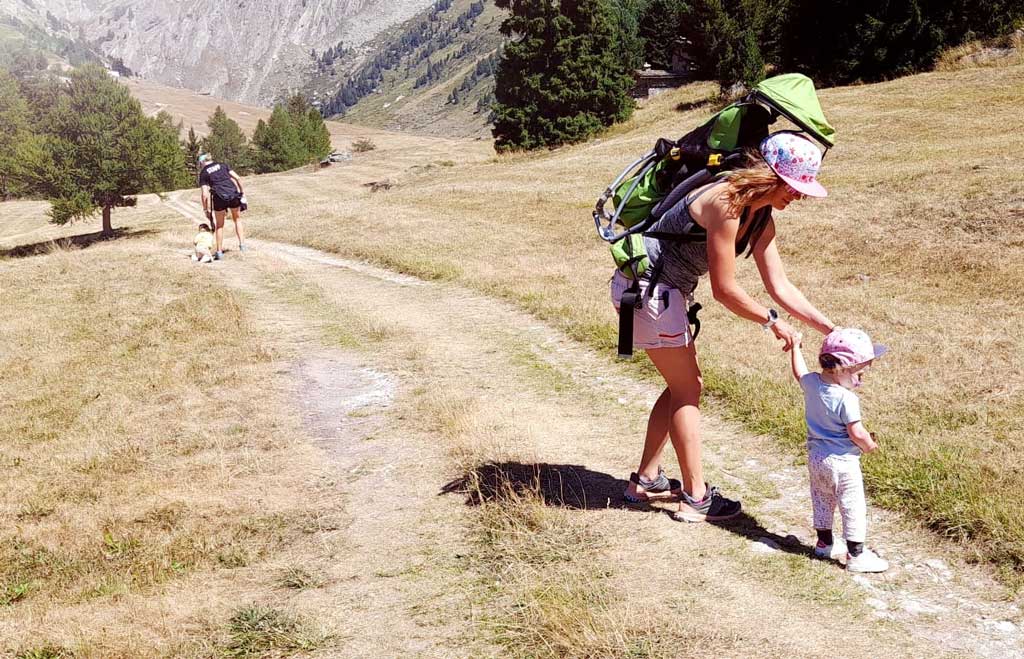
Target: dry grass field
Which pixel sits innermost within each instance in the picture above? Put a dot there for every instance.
(288, 454)
(918, 243)
(149, 491)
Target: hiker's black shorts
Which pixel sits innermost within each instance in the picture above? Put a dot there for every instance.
(222, 204)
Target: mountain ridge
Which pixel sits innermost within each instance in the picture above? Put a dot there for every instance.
(253, 51)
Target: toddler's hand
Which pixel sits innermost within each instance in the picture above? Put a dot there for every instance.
(785, 333)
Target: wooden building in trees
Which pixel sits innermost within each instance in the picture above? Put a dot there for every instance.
(683, 69)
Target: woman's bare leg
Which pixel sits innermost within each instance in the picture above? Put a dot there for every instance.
(218, 229)
(676, 416)
(236, 216)
(657, 435)
(654, 442)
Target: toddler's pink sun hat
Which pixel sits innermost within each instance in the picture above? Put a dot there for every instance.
(851, 346)
(796, 161)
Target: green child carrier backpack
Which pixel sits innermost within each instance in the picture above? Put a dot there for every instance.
(654, 183)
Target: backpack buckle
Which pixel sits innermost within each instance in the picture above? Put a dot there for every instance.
(714, 160)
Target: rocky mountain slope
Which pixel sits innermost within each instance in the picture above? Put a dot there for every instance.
(411, 65)
(433, 74)
(254, 51)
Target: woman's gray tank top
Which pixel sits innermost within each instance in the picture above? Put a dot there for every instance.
(682, 263)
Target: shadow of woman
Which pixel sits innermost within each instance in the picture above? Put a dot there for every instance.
(576, 487)
(567, 486)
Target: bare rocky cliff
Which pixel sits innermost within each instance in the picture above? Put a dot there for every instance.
(253, 51)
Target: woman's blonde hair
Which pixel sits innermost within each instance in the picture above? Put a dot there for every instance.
(749, 184)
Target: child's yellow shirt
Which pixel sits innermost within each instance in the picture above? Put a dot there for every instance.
(204, 241)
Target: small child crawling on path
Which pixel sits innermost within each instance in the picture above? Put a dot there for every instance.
(836, 437)
(203, 244)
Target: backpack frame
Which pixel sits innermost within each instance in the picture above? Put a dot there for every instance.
(658, 180)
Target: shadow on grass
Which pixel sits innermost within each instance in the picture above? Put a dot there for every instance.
(567, 486)
(577, 488)
(80, 241)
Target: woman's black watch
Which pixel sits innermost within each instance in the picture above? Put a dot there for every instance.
(773, 317)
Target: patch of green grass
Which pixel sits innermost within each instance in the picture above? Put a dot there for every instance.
(257, 631)
(796, 576)
(14, 592)
(763, 406)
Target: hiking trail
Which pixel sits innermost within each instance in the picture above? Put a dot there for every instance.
(575, 417)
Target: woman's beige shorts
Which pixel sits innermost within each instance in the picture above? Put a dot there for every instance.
(661, 321)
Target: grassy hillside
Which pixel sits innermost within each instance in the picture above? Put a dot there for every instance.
(918, 243)
(170, 492)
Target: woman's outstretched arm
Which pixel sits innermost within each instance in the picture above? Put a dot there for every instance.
(722, 272)
(778, 286)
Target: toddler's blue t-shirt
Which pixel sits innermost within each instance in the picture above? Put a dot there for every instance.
(828, 408)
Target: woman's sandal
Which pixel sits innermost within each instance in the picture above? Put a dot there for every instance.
(656, 486)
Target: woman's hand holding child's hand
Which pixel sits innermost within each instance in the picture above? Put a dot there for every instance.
(785, 332)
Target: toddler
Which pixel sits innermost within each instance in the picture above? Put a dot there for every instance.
(835, 439)
(203, 244)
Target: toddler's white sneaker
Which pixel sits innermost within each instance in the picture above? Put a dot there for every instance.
(868, 561)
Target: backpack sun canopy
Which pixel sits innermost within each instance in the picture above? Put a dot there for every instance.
(791, 95)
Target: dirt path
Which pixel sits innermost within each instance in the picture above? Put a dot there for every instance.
(367, 350)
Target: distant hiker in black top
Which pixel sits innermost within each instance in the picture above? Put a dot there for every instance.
(221, 188)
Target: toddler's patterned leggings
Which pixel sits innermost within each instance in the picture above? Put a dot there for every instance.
(836, 479)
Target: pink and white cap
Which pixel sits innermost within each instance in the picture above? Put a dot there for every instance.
(796, 160)
(851, 346)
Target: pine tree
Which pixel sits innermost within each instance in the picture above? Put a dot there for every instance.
(261, 147)
(15, 131)
(847, 41)
(316, 137)
(659, 27)
(297, 107)
(226, 142)
(162, 150)
(192, 147)
(100, 149)
(562, 78)
(279, 146)
(630, 42)
(729, 34)
(310, 128)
